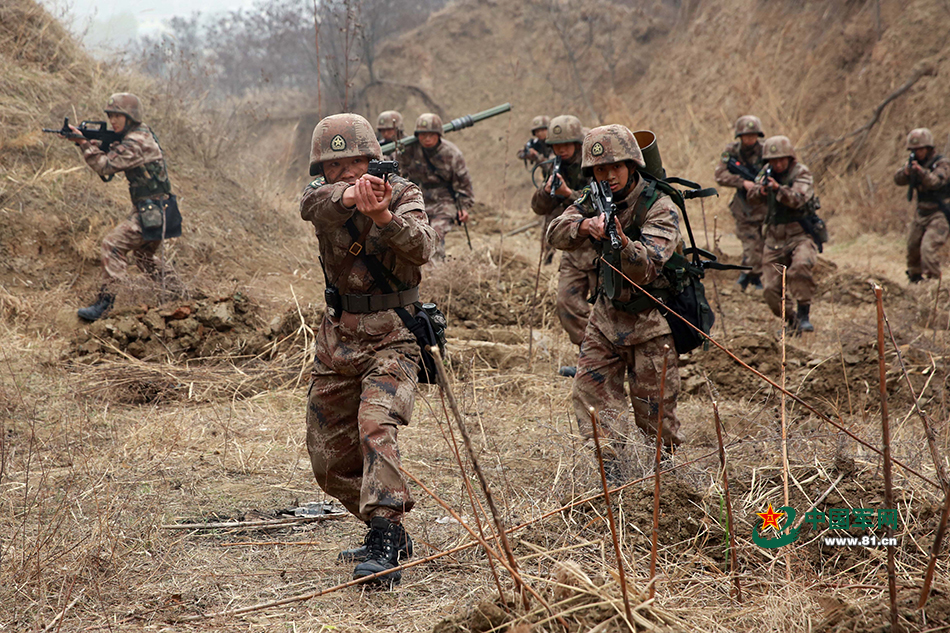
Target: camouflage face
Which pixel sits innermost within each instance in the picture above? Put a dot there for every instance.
(564, 129)
(610, 144)
(342, 136)
(429, 122)
(749, 124)
(125, 103)
(778, 147)
(389, 120)
(539, 122)
(919, 138)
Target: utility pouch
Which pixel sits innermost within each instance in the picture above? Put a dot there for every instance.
(159, 219)
(691, 304)
(428, 327)
(334, 305)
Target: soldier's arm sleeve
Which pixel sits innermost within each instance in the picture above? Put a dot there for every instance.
(542, 203)
(799, 192)
(408, 234)
(724, 177)
(462, 182)
(900, 178)
(322, 205)
(643, 259)
(937, 177)
(563, 232)
(121, 156)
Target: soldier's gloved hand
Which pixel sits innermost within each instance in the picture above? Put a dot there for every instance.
(593, 227)
(370, 203)
(773, 184)
(75, 130)
(748, 185)
(462, 216)
(564, 190)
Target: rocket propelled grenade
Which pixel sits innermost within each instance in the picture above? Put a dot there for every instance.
(455, 124)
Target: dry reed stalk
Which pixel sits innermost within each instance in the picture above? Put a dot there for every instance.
(610, 518)
(730, 525)
(933, 310)
(924, 418)
(788, 562)
(886, 442)
(534, 298)
(265, 523)
(934, 553)
(486, 490)
(821, 416)
(656, 476)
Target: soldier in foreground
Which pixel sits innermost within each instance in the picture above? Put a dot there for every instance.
(927, 173)
(786, 187)
(741, 162)
(437, 166)
(536, 150)
(389, 126)
(362, 388)
(155, 214)
(626, 334)
(577, 273)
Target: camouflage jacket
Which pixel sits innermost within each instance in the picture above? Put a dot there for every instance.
(751, 159)
(449, 169)
(642, 260)
(796, 189)
(543, 203)
(402, 246)
(139, 156)
(933, 187)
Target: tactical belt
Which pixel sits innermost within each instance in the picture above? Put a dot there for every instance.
(377, 303)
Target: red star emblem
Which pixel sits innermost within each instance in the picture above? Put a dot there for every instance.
(770, 517)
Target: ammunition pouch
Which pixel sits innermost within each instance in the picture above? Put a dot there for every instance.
(159, 218)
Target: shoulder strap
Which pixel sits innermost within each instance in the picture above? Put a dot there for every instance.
(353, 251)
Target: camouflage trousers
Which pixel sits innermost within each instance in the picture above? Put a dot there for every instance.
(124, 239)
(749, 231)
(576, 280)
(362, 388)
(601, 369)
(798, 253)
(928, 234)
(441, 218)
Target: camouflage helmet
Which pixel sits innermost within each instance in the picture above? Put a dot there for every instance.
(429, 122)
(610, 144)
(342, 136)
(125, 103)
(921, 137)
(565, 129)
(778, 147)
(539, 122)
(749, 124)
(389, 120)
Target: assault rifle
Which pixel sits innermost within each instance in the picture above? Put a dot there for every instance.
(911, 176)
(603, 200)
(383, 168)
(736, 167)
(556, 176)
(535, 144)
(455, 124)
(90, 130)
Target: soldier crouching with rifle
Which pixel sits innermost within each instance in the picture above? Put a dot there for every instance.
(928, 174)
(155, 215)
(373, 233)
(626, 333)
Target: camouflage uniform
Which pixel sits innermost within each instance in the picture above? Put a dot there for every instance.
(748, 217)
(363, 382)
(577, 272)
(389, 120)
(444, 171)
(618, 342)
(786, 242)
(929, 229)
(542, 148)
(140, 158)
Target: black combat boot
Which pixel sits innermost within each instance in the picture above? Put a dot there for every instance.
(803, 323)
(567, 371)
(382, 551)
(359, 554)
(915, 278)
(743, 281)
(754, 280)
(96, 311)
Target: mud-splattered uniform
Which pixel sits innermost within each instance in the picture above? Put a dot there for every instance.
(929, 229)
(748, 217)
(444, 172)
(618, 343)
(363, 382)
(577, 272)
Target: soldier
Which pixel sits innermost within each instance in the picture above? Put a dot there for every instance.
(577, 272)
(389, 127)
(786, 186)
(438, 168)
(745, 156)
(929, 174)
(626, 334)
(155, 214)
(362, 388)
(536, 150)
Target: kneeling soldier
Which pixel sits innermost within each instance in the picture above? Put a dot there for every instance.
(155, 214)
(787, 186)
(626, 335)
(362, 388)
(927, 173)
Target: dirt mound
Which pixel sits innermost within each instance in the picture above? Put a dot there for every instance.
(220, 328)
(874, 616)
